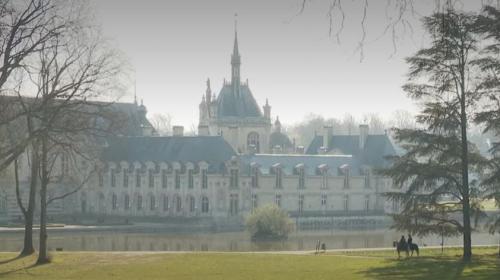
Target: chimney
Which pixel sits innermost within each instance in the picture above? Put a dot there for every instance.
(327, 135)
(363, 135)
(178, 131)
(203, 130)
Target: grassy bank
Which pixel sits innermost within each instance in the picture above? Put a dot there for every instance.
(339, 265)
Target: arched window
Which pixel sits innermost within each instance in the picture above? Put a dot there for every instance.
(253, 141)
(204, 204)
(114, 202)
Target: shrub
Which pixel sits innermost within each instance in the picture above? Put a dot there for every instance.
(269, 223)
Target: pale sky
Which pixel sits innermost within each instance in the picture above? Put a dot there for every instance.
(174, 46)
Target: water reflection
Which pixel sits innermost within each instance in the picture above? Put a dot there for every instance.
(304, 240)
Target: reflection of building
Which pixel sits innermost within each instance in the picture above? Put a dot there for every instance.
(234, 165)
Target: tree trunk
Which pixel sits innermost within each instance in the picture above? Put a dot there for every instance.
(42, 250)
(467, 257)
(28, 247)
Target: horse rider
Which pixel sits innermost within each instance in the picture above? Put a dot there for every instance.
(410, 240)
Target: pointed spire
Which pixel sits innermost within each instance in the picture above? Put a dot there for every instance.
(235, 61)
(235, 47)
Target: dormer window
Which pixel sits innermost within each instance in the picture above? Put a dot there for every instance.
(125, 178)
(323, 172)
(301, 172)
(204, 179)
(344, 170)
(190, 178)
(278, 173)
(151, 178)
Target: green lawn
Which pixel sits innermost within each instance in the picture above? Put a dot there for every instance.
(352, 265)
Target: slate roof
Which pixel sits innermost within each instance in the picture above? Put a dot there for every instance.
(290, 162)
(240, 105)
(211, 149)
(377, 147)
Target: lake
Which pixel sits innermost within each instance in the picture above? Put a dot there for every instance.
(124, 240)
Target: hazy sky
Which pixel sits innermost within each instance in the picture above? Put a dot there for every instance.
(174, 46)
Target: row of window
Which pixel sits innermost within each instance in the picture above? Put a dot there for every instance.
(151, 179)
(138, 203)
(233, 182)
(324, 199)
(278, 173)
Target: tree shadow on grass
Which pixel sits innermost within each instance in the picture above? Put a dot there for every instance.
(18, 257)
(436, 268)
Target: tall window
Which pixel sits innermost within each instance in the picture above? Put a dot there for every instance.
(253, 141)
(137, 179)
(255, 177)
(277, 200)
(346, 203)
(301, 203)
(152, 202)
(323, 200)
(151, 178)
(234, 178)
(324, 178)
(101, 179)
(190, 179)
(367, 178)
(177, 179)
(164, 179)
(178, 204)
(204, 205)
(192, 204)
(139, 202)
(346, 178)
(126, 202)
(233, 204)
(367, 202)
(255, 201)
(114, 202)
(279, 177)
(125, 178)
(204, 179)
(302, 178)
(165, 203)
(113, 178)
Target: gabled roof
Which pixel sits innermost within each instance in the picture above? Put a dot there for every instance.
(241, 104)
(211, 149)
(290, 162)
(376, 148)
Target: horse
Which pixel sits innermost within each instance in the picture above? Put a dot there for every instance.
(402, 246)
(413, 248)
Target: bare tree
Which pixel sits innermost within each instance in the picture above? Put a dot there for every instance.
(162, 123)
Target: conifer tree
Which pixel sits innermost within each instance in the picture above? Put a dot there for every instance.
(438, 173)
